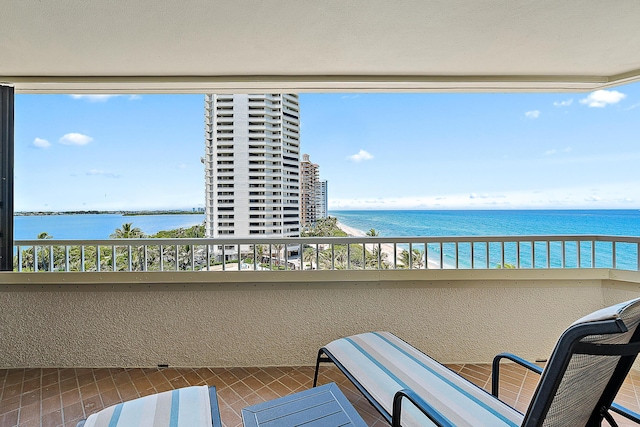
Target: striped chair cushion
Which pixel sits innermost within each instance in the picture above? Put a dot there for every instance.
(384, 364)
(185, 407)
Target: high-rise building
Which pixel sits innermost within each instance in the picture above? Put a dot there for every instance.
(322, 209)
(252, 165)
(313, 193)
(309, 178)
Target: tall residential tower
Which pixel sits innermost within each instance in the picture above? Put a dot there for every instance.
(252, 165)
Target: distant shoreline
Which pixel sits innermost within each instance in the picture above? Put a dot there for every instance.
(123, 213)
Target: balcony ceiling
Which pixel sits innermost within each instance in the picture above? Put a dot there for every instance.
(318, 45)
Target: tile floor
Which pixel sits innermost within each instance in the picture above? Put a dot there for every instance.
(61, 397)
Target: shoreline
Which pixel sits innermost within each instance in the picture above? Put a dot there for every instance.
(387, 248)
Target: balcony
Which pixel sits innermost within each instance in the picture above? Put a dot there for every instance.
(158, 309)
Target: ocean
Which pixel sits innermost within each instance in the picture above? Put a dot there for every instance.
(393, 224)
(98, 226)
(493, 223)
(506, 223)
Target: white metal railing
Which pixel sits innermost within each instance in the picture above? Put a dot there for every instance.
(329, 253)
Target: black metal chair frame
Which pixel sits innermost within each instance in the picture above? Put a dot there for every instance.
(551, 377)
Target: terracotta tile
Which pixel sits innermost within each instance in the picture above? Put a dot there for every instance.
(30, 385)
(50, 391)
(105, 384)
(92, 404)
(100, 374)
(12, 390)
(179, 382)
(51, 404)
(110, 397)
(9, 405)
(192, 377)
(50, 379)
(88, 390)
(53, 419)
(127, 391)
(32, 423)
(16, 376)
(156, 378)
(30, 412)
(72, 412)
(68, 384)
(9, 419)
(70, 397)
(31, 397)
(66, 374)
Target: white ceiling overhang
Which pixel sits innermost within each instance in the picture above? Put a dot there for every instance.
(139, 46)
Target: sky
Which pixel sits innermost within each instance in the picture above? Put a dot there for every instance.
(378, 151)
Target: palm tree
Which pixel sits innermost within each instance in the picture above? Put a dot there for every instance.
(416, 261)
(137, 253)
(278, 247)
(309, 255)
(127, 232)
(373, 233)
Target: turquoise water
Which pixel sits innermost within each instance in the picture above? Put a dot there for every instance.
(409, 224)
(493, 223)
(93, 227)
(505, 223)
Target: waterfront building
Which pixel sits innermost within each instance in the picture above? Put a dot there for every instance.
(252, 165)
(322, 201)
(309, 175)
(313, 193)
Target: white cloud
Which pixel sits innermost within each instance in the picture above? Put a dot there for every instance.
(534, 114)
(553, 151)
(75, 138)
(41, 143)
(134, 97)
(98, 172)
(602, 98)
(360, 156)
(563, 103)
(94, 98)
(624, 195)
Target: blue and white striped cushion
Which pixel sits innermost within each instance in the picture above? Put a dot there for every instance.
(384, 364)
(185, 407)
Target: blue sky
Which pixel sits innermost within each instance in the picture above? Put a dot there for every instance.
(378, 151)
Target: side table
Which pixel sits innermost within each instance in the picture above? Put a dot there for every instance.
(323, 406)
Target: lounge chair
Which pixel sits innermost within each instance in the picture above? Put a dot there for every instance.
(195, 406)
(576, 388)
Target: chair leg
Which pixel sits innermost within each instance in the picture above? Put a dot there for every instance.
(319, 360)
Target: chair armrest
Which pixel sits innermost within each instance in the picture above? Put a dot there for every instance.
(495, 369)
(428, 410)
(621, 410)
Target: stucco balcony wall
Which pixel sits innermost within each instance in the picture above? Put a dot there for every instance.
(245, 318)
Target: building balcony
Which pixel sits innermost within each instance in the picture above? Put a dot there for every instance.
(254, 333)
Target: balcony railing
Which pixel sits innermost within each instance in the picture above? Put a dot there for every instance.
(329, 253)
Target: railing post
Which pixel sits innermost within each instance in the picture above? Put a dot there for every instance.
(456, 254)
(578, 253)
(613, 254)
(533, 254)
(486, 248)
(548, 254)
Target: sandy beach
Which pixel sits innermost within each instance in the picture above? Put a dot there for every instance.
(387, 248)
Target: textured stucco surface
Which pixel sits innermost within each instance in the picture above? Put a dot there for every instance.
(231, 322)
